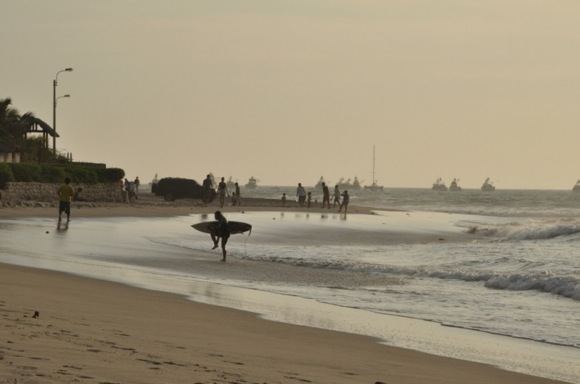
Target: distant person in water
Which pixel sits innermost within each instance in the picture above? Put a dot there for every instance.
(336, 200)
(325, 195)
(222, 191)
(284, 199)
(301, 194)
(207, 186)
(222, 232)
(65, 196)
(345, 201)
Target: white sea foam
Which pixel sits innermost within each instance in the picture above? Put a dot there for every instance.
(527, 231)
(563, 286)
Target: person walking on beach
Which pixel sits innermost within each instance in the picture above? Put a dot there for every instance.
(336, 200)
(309, 199)
(345, 201)
(137, 182)
(284, 199)
(222, 232)
(222, 191)
(325, 195)
(301, 193)
(65, 195)
(131, 191)
(207, 186)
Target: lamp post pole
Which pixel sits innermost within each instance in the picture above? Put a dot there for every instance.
(54, 98)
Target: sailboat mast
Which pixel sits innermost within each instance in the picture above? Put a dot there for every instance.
(374, 181)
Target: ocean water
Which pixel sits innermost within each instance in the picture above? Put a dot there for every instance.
(500, 271)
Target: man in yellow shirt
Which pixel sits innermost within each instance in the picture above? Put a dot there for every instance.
(65, 195)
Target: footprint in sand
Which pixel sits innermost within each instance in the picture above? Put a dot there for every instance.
(298, 379)
(234, 362)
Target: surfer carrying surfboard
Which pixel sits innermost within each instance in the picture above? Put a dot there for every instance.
(222, 232)
(222, 229)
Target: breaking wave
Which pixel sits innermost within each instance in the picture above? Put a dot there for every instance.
(566, 286)
(527, 232)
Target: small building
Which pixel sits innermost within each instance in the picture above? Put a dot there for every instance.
(9, 154)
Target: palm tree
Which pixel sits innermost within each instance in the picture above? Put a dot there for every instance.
(13, 125)
(13, 128)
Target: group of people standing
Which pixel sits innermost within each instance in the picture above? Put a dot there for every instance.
(222, 191)
(305, 198)
(130, 189)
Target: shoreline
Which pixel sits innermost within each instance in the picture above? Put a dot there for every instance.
(151, 206)
(184, 208)
(100, 329)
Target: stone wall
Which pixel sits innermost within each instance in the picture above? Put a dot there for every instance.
(47, 192)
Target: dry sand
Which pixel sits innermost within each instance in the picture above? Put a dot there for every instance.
(91, 331)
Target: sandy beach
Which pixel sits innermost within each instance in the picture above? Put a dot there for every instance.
(98, 332)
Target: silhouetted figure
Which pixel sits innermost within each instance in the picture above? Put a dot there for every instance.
(345, 201)
(309, 199)
(65, 195)
(222, 191)
(236, 196)
(325, 195)
(284, 199)
(207, 186)
(336, 200)
(301, 193)
(137, 182)
(223, 233)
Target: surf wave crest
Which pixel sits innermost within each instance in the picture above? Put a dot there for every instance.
(527, 232)
(562, 286)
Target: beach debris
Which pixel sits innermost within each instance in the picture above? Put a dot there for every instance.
(47, 232)
(36, 315)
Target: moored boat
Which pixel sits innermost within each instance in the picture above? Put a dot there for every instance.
(439, 185)
(252, 183)
(454, 186)
(487, 186)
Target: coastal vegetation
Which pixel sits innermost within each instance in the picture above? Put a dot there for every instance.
(38, 163)
(46, 173)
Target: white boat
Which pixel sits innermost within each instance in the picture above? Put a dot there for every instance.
(487, 186)
(252, 183)
(374, 186)
(439, 185)
(356, 183)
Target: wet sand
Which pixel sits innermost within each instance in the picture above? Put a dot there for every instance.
(152, 206)
(98, 332)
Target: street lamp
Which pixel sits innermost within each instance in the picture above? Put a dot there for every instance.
(54, 99)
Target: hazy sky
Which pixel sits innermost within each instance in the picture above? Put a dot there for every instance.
(291, 90)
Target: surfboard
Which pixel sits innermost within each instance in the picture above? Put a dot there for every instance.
(235, 227)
